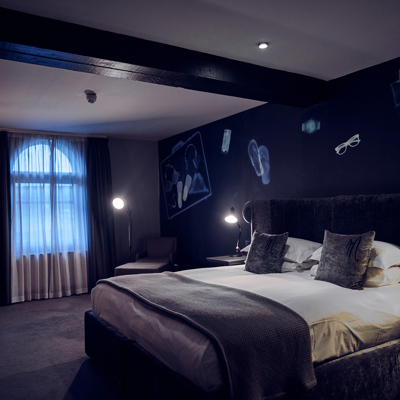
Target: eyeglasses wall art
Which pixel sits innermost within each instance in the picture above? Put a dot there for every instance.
(352, 142)
(184, 176)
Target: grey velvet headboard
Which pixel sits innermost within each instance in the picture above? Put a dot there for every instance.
(308, 218)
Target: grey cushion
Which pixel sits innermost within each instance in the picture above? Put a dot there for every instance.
(266, 253)
(344, 259)
(151, 265)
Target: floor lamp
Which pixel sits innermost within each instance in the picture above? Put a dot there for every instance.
(231, 218)
(119, 204)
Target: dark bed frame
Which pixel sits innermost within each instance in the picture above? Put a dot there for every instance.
(365, 375)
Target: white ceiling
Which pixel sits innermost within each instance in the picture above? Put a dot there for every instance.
(320, 38)
(42, 98)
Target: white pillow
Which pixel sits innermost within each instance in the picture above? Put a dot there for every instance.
(316, 255)
(246, 249)
(313, 270)
(382, 277)
(384, 255)
(289, 266)
(299, 250)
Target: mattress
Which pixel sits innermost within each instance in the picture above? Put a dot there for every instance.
(341, 321)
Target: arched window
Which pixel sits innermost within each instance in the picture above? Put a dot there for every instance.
(44, 191)
(48, 197)
(37, 158)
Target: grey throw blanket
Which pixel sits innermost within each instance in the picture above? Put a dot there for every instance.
(264, 346)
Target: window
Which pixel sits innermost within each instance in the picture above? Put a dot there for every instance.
(44, 193)
(33, 193)
(48, 215)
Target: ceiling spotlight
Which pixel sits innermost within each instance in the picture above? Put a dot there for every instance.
(262, 45)
(91, 96)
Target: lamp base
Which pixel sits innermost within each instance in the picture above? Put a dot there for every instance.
(235, 255)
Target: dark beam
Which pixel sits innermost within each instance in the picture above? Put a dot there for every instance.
(43, 41)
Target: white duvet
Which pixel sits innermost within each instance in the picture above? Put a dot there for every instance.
(341, 320)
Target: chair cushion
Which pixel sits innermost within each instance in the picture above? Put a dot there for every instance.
(142, 267)
(153, 260)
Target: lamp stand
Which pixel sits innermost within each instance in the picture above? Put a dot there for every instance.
(129, 212)
(238, 251)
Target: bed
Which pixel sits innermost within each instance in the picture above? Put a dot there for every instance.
(367, 368)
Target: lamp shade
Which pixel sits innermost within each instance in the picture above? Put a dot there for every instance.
(231, 217)
(118, 203)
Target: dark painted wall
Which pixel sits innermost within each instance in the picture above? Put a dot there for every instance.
(301, 164)
(135, 176)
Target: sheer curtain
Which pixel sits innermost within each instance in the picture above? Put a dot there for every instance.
(48, 216)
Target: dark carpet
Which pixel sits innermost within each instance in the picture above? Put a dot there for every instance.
(42, 353)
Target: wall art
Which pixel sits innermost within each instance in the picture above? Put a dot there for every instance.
(259, 157)
(184, 176)
(352, 142)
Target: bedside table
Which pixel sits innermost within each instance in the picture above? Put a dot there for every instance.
(226, 260)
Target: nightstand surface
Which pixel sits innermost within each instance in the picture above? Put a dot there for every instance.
(226, 260)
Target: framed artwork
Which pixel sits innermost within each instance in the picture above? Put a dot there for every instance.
(184, 176)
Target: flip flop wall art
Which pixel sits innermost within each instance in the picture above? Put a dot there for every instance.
(259, 157)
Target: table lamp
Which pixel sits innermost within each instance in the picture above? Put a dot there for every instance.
(231, 218)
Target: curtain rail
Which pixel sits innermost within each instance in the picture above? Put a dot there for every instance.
(11, 130)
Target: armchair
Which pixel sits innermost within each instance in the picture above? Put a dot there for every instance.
(158, 255)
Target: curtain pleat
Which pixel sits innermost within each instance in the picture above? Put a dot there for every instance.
(102, 257)
(5, 222)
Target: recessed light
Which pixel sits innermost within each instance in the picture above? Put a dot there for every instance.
(262, 45)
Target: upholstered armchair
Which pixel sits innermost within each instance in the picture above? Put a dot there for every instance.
(158, 255)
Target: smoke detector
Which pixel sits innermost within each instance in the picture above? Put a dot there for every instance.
(91, 96)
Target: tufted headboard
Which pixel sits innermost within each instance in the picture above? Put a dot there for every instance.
(307, 218)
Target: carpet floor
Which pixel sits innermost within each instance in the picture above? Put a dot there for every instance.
(42, 353)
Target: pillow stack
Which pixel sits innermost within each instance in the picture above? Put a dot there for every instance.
(384, 265)
(344, 259)
(382, 269)
(286, 254)
(350, 261)
(298, 254)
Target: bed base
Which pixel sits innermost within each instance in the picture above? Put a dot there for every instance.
(372, 374)
(133, 370)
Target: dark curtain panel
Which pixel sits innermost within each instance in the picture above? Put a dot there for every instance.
(5, 221)
(102, 258)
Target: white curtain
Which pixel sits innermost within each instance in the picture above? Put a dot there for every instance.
(48, 216)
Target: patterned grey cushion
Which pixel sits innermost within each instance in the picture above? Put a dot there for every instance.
(266, 253)
(344, 259)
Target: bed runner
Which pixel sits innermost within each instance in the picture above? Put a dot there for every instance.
(264, 346)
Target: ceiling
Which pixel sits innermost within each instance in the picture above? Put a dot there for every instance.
(320, 39)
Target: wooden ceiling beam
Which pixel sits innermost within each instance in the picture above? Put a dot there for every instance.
(43, 41)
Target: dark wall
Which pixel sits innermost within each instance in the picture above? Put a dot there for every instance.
(135, 176)
(302, 164)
